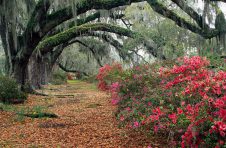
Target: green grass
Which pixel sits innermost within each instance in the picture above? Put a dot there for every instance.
(84, 85)
(24, 111)
(89, 87)
(73, 81)
(94, 105)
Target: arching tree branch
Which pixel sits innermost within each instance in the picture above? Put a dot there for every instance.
(38, 15)
(191, 12)
(202, 29)
(87, 19)
(161, 9)
(67, 13)
(92, 51)
(218, 1)
(109, 39)
(64, 68)
(63, 37)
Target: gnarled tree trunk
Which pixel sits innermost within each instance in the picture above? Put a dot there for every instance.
(39, 71)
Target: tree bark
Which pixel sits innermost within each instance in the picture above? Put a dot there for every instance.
(39, 71)
(20, 74)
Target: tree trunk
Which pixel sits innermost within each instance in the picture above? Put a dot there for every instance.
(20, 74)
(39, 71)
(32, 74)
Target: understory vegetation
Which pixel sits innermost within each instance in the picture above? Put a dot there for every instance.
(59, 77)
(183, 100)
(9, 91)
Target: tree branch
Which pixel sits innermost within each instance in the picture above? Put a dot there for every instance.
(85, 20)
(218, 1)
(190, 11)
(69, 70)
(138, 55)
(107, 38)
(67, 13)
(37, 16)
(161, 9)
(111, 41)
(63, 37)
(91, 49)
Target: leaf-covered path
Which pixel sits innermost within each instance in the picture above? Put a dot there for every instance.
(85, 119)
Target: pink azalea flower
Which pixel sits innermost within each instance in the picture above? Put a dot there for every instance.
(182, 103)
(173, 117)
(122, 118)
(179, 111)
(156, 128)
(136, 124)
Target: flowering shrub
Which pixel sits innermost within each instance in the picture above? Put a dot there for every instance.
(187, 100)
(199, 96)
(107, 74)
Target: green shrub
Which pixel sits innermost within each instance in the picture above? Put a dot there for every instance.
(217, 62)
(59, 78)
(90, 79)
(9, 91)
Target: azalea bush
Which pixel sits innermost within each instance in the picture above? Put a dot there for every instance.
(187, 101)
(196, 98)
(107, 75)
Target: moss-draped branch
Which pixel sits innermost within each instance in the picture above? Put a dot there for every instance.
(163, 10)
(47, 22)
(64, 68)
(191, 12)
(63, 37)
(85, 20)
(218, 1)
(85, 5)
(37, 16)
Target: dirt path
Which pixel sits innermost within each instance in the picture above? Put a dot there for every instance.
(85, 119)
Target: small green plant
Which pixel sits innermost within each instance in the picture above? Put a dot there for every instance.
(59, 78)
(9, 91)
(38, 112)
(217, 61)
(22, 111)
(93, 105)
(90, 79)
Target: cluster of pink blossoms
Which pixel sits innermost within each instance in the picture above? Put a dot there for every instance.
(205, 91)
(104, 75)
(194, 100)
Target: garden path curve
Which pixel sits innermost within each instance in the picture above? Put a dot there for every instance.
(85, 119)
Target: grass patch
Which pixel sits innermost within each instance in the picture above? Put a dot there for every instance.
(73, 81)
(41, 115)
(23, 111)
(84, 85)
(77, 110)
(90, 87)
(94, 105)
(9, 107)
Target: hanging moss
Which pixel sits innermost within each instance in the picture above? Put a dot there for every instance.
(79, 30)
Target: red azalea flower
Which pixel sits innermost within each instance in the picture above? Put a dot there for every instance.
(179, 111)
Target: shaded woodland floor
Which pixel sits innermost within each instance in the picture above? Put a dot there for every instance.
(85, 119)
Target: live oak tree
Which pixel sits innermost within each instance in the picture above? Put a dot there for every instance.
(42, 27)
(34, 33)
